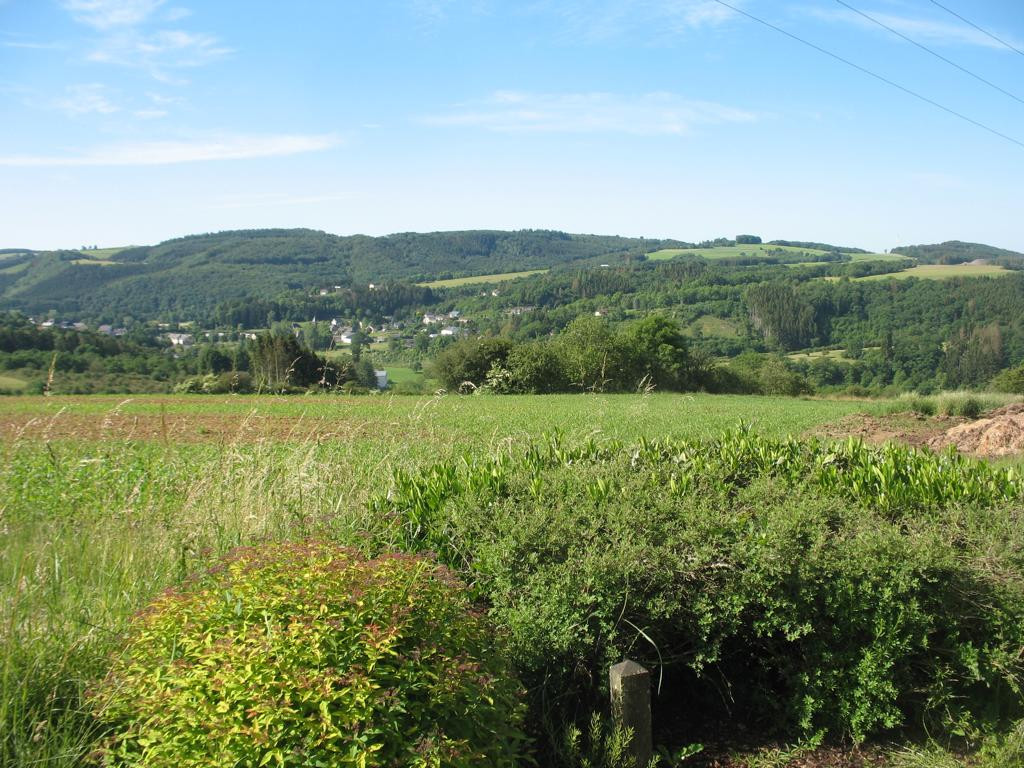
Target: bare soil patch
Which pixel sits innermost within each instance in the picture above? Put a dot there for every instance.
(906, 428)
(997, 434)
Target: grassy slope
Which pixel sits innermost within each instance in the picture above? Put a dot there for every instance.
(943, 272)
(501, 277)
(12, 382)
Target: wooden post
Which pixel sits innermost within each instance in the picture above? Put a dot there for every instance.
(630, 686)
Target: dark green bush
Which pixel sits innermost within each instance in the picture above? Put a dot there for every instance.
(831, 588)
(310, 655)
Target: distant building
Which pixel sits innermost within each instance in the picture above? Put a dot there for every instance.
(450, 330)
(181, 339)
(382, 379)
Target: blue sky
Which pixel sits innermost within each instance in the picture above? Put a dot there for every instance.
(133, 121)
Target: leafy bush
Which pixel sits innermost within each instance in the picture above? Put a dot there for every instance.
(823, 587)
(307, 654)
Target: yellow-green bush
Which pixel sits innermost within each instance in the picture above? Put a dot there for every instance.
(309, 654)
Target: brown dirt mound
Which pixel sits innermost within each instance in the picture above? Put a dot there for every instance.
(999, 433)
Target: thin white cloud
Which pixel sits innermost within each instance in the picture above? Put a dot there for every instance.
(86, 98)
(646, 114)
(109, 14)
(168, 48)
(922, 30)
(602, 20)
(32, 46)
(176, 152)
(150, 114)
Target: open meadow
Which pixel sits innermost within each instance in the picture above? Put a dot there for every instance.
(107, 501)
(501, 277)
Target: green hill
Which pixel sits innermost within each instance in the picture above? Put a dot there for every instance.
(192, 275)
(957, 252)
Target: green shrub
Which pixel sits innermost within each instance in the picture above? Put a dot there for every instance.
(308, 654)
(825, 587)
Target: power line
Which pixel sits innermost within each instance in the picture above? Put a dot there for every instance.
(1013, 48)
(875, 75)
(929, 50)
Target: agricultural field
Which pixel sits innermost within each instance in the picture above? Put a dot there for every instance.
(943, 272)
(12, 383)
(103, 254)
(709, 325)
(501, 277)
(106, 501)
(95, 262)
(737, 251)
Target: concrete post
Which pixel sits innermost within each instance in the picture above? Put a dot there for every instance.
(630, 686)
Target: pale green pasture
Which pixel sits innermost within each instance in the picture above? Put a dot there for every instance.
(101, 254)
(876, 257)
(12, 382)
(728, 251)
(709, 325)
(943, 272)
(500, 277)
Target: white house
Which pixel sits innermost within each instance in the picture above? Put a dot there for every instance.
(181, 339)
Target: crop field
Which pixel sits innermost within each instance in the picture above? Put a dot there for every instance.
(710, 325)
(943, 272)
(737, 251)
(106, 501)
(103, 254)
(876, 257)
(475, 279)
(12, 383)
(727, 251)
(94, 262)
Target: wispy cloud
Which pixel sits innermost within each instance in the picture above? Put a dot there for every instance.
(109, 14)
(169, 48)
(54, 46)
(84, 99)
(920, 29)
(602, 20)
(134, 33)
(646, 114)
(176, 152)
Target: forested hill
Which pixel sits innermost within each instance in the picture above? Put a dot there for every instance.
(957, 252)
(194, 274)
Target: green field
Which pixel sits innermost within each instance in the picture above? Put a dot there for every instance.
(727, 251)
(943, 272)
(876, 257)
(102, 254)
(738, 251)
(710, 325)
(96, 262)
(496, 278)
(12, 383)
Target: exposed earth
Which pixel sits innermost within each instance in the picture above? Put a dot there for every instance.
(997, 434)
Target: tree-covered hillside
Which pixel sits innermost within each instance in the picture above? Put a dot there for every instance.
(957, 252)
(190, 276)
